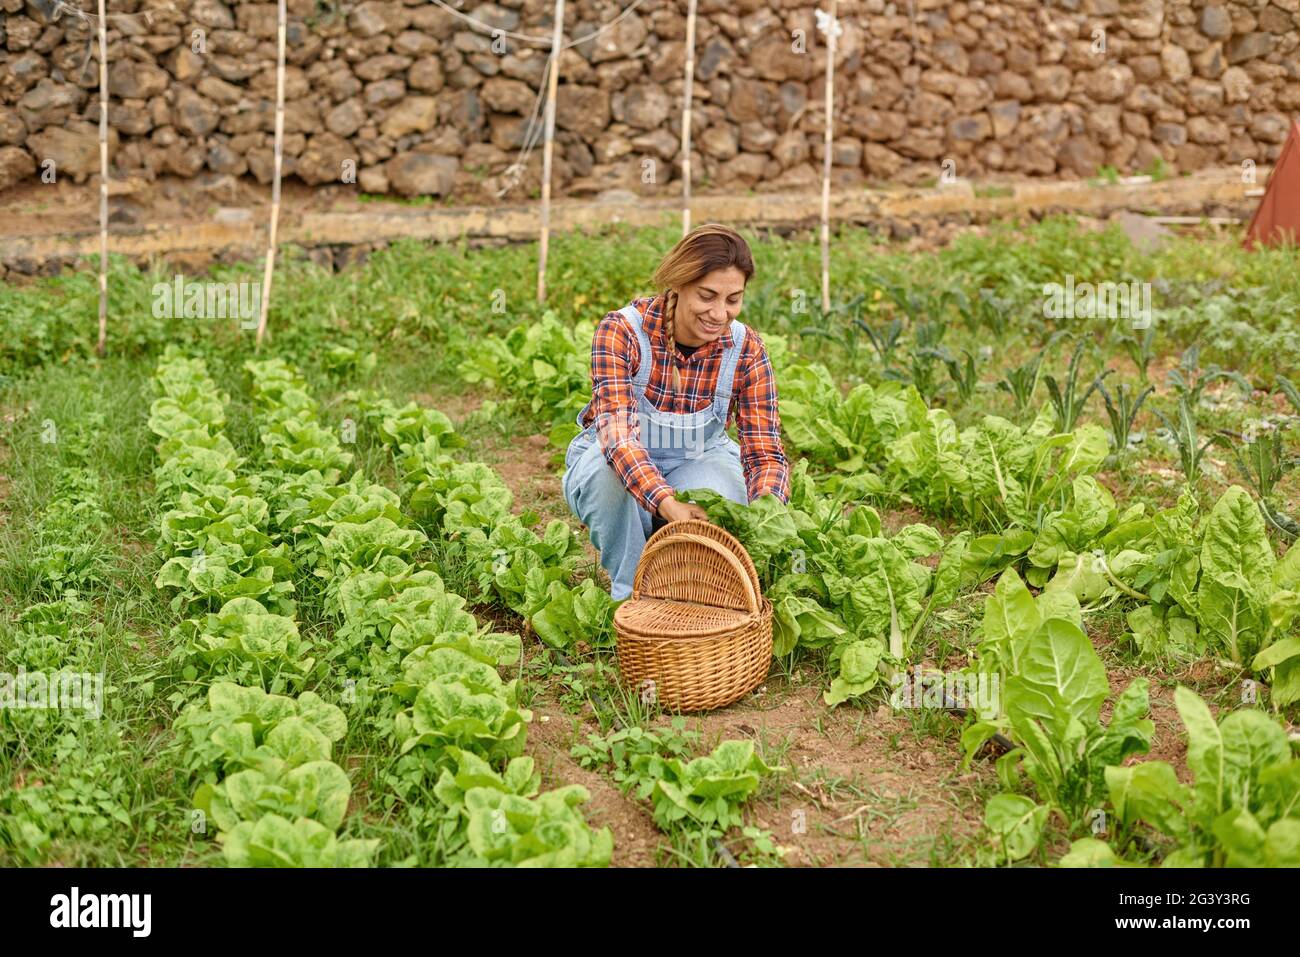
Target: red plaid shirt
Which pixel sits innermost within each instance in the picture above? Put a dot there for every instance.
(615, 360)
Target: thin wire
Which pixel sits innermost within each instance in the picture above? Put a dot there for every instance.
(59, 7)
(56, 8)
(515, 170)
(532, 133)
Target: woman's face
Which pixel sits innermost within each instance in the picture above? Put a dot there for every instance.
(706, 307)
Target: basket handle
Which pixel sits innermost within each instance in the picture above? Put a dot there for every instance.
(722, 550)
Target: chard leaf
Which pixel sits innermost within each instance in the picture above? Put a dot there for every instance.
(1060, 679)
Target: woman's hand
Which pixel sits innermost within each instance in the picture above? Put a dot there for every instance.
(671, 510)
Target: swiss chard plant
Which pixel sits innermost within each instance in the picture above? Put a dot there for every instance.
(1052, 700)
(837, 583)
(1242, 808)
(1210, 581)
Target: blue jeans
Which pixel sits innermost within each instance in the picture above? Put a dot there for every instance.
(619, 526)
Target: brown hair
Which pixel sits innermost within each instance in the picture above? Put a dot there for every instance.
(705, 248)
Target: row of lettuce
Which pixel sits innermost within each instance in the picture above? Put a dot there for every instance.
(416, 674)
(260, 745)
(1195, 582)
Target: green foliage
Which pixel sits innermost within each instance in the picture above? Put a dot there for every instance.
(544, 362)
(89, 799)
(706, 792)
(244, 643)
(1242, 809)
(617, 753)
(1067, 401)
(1122, 411)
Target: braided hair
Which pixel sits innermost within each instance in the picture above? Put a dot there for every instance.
(670, 314)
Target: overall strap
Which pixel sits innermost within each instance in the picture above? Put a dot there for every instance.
(642, 377)
(727, 371)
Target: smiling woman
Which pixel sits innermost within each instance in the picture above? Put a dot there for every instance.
(658, 426)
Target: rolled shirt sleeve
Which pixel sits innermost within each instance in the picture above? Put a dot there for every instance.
(758, 424)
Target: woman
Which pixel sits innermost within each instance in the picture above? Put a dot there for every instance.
(659, 426)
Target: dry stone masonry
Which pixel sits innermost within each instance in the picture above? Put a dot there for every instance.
(409, 98)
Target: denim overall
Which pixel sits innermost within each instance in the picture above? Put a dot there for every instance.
(692, 450)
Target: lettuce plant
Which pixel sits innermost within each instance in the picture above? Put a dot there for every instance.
(707, 791)
(518, 565)
(496, 819)
(235, 726)
(459, 701)
(275, 841)
(245, 643)
(269, 784)
(569, 615)
(507, 830)
(453, 497)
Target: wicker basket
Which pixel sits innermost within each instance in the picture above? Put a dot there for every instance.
(697, 624)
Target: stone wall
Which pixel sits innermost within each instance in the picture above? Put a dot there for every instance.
(406, 97)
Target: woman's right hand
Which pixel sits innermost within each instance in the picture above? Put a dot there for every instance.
(671, 510)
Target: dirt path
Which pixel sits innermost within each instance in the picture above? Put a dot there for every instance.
(859, 788)
(551, 735)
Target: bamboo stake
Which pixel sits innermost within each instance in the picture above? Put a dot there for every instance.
(548, 147)
(687, 95)
(268, 275)
(831, 29)
(102, 346)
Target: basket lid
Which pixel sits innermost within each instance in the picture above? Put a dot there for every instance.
(696, 561)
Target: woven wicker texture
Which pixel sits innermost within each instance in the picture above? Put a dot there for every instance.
(697, 624)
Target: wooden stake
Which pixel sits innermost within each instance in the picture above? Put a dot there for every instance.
(548, 148)
(687, 94)
(826, 159)
(268, 275)
(102, 346)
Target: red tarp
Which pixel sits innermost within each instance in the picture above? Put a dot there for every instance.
(1277, 220)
